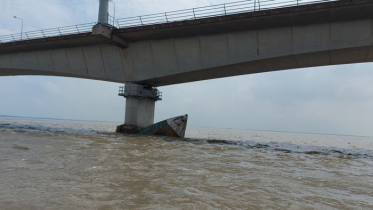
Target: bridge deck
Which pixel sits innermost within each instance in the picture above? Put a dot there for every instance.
(226, 23)
(219, 24)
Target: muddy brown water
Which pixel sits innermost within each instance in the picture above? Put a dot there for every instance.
(50, 164)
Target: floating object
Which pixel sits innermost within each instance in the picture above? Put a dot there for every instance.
(173, 127)
(20, 147)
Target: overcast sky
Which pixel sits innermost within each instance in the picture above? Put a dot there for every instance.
(332, 100)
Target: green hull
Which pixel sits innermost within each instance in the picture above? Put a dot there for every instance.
(174, 127)
(162, 128)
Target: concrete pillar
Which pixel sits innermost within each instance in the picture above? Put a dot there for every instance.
(140, 107)
(103, 12)
(139, 112)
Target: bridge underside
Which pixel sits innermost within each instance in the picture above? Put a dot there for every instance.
(323, 34)
(25, 72)
(317, 59)
(326, 58)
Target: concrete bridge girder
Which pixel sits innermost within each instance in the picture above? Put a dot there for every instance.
(316, 38)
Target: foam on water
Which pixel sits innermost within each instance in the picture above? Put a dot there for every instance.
(361, 147)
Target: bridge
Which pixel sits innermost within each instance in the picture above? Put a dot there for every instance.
(219, 41)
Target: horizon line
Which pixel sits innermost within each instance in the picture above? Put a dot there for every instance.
(249, 129)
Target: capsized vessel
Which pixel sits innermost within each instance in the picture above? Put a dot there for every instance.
(173, 127)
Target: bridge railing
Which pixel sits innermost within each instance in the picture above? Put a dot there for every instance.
(53, 32)
(111, 21)
(180, 15)
(152, 93)
(212, 11)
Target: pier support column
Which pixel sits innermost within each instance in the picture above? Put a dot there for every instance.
(140, 107)
(139, 111)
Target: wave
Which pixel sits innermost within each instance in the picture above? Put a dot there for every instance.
(21, 128)
(247, 144)
(291, 148)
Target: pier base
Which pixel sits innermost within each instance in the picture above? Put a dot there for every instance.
(140, 107)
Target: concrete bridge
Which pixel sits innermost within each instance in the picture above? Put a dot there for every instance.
(331, 33)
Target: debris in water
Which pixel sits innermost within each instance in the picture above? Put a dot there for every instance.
(173, 127)
(20, 147)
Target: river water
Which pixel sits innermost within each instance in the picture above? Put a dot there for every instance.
(52, 164)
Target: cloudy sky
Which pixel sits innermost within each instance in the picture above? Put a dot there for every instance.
(332, 100)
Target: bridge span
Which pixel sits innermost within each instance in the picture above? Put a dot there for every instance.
(319, 34)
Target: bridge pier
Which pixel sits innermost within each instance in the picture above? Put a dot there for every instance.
(140, 107)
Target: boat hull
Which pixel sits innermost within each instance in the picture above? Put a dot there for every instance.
(173, 127)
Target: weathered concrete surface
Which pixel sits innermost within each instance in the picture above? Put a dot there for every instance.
(107, 34)
(139, 107)
(140, 112)
(290, 38)
(74, 40)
